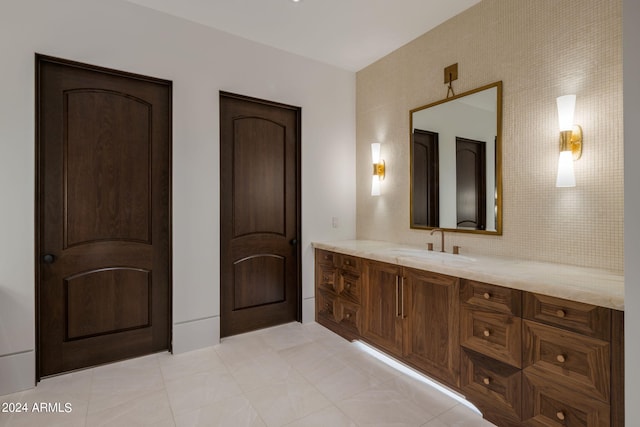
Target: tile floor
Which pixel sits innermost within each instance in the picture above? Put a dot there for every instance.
(289, 375)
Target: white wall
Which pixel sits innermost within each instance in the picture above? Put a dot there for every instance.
(631, 17)
(200, 62)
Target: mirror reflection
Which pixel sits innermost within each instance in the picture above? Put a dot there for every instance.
(455, 162)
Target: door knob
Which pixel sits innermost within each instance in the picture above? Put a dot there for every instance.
(294, 242)
(48, 258)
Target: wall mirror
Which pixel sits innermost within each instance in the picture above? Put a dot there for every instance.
(456, 162)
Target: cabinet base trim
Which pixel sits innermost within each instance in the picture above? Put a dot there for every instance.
(411, 372)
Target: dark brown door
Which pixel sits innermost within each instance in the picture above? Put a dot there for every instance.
(103, 214)
(259, 214)
(471, 184)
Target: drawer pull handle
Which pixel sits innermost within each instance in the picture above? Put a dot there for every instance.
(561, 313)
(486, 333)
(347, 262)
(561, 416)
(487, 295)
(397, 296)
(486, 381)
(561, 358)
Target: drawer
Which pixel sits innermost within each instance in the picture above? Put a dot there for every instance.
(327, 278)
(352, 263)
(568, 358)
(491, 385)
(585, 319)
(351, 286)
(326, 306)
(484, 295)
(493, 334)
(549, 405)
(350, 316)
(325, 257)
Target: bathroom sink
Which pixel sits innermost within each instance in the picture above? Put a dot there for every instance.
(429, 255)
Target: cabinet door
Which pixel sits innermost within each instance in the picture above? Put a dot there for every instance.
(382, 316)
(431, 328)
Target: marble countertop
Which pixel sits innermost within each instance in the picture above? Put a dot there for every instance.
(587, 285)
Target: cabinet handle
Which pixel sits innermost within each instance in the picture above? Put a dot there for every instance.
(486, 333)
(561, 313)
(487, 295)
(348, 315)
(397, 295)
(486, 381)
(560, 415)
(402, 298)
(347, 286)
(561, 358)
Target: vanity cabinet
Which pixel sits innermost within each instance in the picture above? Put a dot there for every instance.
(567, 361)
(383, 305)
(339, 292)
(413, 314)
(432, 318)
(524, 359)
(491, 340)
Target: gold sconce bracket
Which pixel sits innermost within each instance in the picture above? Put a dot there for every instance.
(571, 140)
(450, 74)
(379, 169)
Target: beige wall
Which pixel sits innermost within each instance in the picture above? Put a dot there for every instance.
(540, 50)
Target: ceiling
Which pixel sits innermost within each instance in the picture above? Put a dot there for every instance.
(349, 34)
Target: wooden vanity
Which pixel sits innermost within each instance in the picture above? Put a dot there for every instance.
(522, 357)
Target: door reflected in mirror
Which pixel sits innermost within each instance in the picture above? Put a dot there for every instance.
(456, 162)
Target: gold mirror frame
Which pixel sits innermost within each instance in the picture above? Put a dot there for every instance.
(498, 161)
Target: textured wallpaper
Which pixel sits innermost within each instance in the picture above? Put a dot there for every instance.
(539, 49)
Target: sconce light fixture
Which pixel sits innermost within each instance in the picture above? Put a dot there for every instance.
(570, 141)
(378, 169)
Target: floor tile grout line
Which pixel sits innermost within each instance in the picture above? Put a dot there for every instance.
(276, 352)
(244, 395)
(86, 412)
(166, 392)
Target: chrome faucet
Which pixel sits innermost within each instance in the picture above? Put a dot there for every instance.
(442, 237)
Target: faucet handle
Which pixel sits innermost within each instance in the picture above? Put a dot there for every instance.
(456, 250)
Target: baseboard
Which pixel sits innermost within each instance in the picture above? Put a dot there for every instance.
(195, 334)
(18, 372)
(308, 310)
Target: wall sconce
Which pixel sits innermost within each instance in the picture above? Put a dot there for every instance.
(570, 141)
(378, 169)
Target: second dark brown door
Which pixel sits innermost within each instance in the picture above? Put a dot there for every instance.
(259, 214)
(471, 199)
(104, 215)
